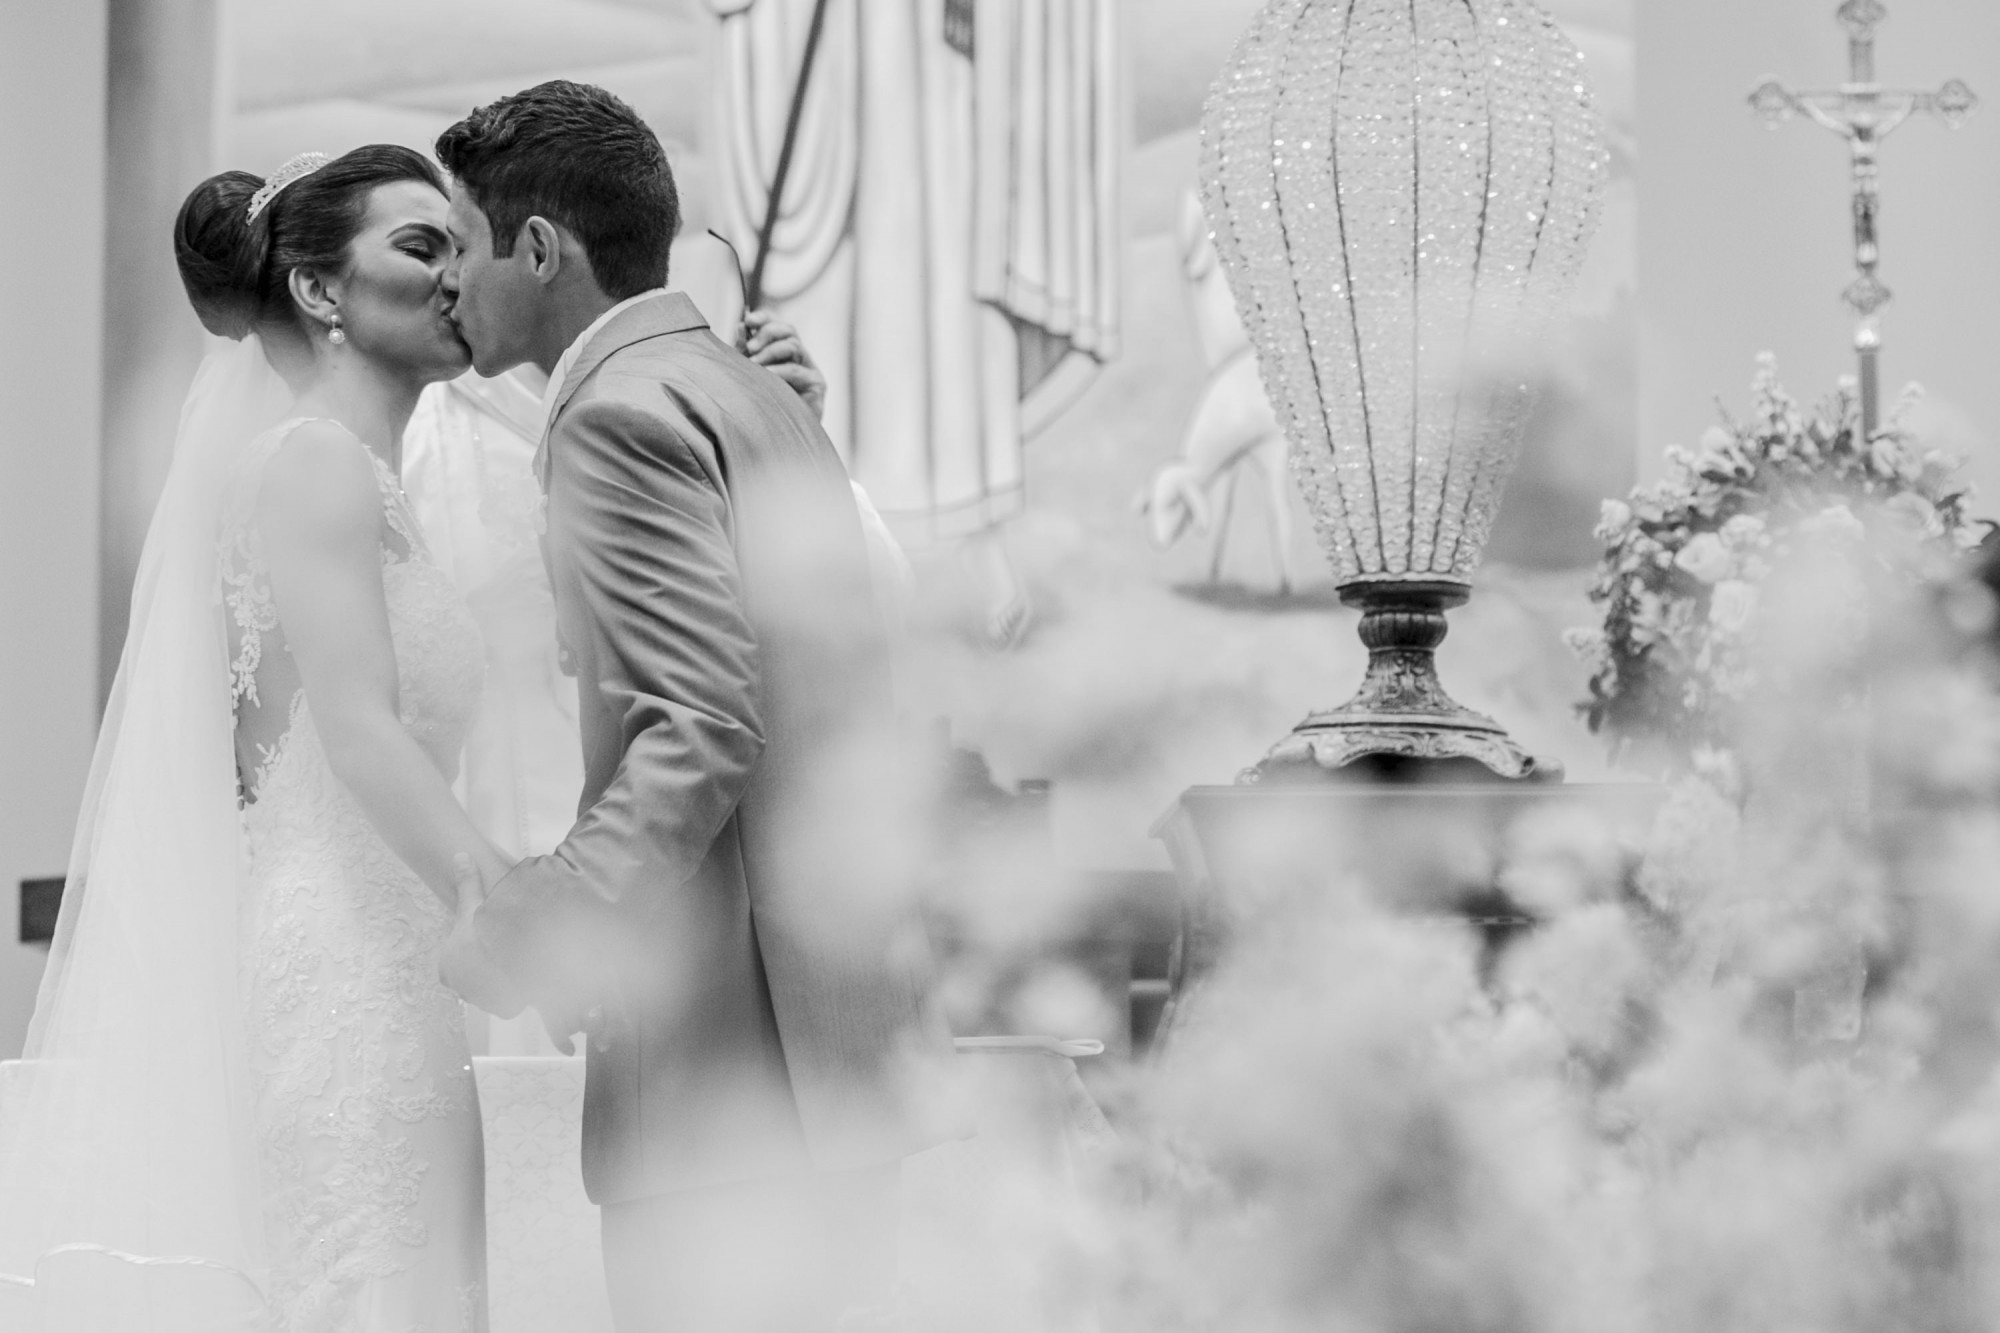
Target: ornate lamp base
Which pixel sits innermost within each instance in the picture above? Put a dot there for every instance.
(1401, 725)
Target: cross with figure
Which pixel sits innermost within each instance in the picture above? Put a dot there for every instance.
(1865, 113)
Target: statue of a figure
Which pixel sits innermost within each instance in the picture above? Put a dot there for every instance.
(947, 243)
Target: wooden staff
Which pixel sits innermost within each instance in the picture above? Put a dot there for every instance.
(753, 295)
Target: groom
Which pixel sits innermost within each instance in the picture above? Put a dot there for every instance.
(715, 921)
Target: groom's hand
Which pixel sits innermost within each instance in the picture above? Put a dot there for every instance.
(776, 346)
(548, 928)
(563, 1026)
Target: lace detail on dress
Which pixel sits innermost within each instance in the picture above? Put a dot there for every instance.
(366, 1110)
(250, 613)
(246, 591)
(365, 1078)
(268, 755)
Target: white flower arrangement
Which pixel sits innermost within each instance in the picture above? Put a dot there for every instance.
(1682, 580)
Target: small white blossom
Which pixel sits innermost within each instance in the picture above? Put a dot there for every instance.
(1885, 456)
(1732, 606)
(1743, 530)
(1612, 519)
(1836, 521)
(1915, 511)
(1589, 646)
(1940, 466)
(1648, 618)
(1706, 558)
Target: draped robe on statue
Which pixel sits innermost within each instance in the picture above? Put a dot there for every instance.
(948, 241)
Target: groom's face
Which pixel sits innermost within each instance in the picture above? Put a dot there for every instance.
(498, 301)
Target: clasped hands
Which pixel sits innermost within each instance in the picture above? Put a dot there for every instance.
(466, 967)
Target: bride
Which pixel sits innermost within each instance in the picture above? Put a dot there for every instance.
(248, 1102)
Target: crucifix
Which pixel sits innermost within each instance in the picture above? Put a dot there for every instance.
(1864, 113)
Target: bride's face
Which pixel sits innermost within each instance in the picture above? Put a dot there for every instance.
(393, 304)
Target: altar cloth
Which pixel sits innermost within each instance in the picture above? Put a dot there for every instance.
(544, 1261)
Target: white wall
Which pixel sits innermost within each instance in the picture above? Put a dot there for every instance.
(161, 131)
(52, 98)
(1744, 240)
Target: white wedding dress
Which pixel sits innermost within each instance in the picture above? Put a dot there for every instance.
(362, 1088)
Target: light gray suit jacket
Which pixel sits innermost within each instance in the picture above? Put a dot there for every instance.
(762, 1004)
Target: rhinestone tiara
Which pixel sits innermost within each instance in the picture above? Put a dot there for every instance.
(305, 164)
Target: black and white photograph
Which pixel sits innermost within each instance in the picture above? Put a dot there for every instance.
(999, 666)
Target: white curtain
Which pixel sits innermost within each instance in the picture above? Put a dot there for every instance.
(948, 244)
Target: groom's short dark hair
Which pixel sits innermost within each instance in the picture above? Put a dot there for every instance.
(577, 156)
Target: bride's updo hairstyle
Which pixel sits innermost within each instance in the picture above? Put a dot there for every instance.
(237, 270)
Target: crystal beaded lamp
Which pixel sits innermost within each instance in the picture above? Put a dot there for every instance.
(1401, 192)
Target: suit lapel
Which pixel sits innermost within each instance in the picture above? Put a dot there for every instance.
(669, 312)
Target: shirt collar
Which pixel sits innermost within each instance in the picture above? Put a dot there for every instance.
(567, 362)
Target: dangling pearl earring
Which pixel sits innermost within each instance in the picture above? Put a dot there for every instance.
(336, 335)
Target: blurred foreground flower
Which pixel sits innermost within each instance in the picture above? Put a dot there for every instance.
(1751, 1082)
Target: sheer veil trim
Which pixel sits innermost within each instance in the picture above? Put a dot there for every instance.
(127, 1153)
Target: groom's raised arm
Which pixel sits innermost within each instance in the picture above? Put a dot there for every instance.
(644, 555)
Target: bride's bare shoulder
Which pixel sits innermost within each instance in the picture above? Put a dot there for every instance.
(321, 478)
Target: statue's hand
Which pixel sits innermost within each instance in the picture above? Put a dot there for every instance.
(1173, 503)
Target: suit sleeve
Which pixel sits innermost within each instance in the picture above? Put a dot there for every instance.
(644, 554)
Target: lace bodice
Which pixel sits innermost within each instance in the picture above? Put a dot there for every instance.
(440, 660)
(365, 1098)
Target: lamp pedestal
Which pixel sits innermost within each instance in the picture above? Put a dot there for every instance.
(1431, 850)
(1401, 725)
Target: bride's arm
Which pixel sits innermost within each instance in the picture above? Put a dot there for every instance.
(320, 520)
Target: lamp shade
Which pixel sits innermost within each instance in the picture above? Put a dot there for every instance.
(1402, 192)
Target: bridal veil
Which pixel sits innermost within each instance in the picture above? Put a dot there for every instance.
(129, 1193)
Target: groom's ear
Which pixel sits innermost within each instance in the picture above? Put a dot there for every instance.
(544, 248)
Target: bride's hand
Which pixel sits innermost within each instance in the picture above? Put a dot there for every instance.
(462, 964)
(776, 345)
